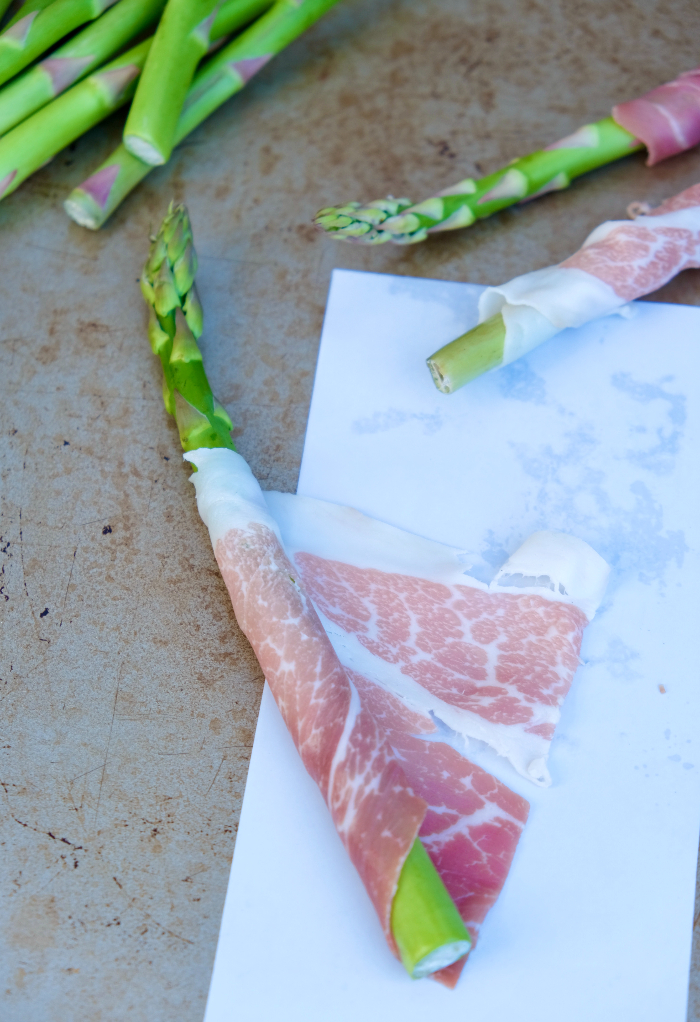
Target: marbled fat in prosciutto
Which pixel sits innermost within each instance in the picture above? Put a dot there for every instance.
(639, 256)
(508, 659)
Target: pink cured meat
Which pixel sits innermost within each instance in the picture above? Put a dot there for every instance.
(374, 809)
(383, 783)
(636, 258)
(473, 822)
(499, 655)
(667, 119)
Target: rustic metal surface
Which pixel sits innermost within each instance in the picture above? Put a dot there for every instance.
(129, 697)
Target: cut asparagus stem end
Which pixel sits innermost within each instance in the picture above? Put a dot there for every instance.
(83, 209)
(469, 356)
(143, 150)
(427, 927)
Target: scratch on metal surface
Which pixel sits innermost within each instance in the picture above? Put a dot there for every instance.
(215, 776)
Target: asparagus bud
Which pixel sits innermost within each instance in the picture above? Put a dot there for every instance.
(175, 323)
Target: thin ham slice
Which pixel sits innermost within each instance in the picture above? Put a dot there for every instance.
(667, 119)
(383, 783)
(619, 261)
(491, 663)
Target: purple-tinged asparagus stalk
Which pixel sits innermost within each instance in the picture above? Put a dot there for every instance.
(92, 202)
(77, 58)
(93, 46)
(37, 140)
(28, 7)
(34, 33)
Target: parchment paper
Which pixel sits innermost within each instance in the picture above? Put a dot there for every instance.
(596, 433)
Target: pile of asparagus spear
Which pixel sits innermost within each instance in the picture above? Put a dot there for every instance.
(65, 65)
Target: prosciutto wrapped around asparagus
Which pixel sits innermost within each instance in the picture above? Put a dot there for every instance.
(619, 261)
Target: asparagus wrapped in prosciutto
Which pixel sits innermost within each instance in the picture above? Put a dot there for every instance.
(376, 812)
(666, 121)
(619, 261)
(397, 664)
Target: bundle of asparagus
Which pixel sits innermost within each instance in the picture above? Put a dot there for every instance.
(666, 121)
(72, 88)
(414, 905)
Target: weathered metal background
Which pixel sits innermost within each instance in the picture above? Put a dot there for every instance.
(129, 697)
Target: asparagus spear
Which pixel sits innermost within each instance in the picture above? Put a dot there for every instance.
(81, 55)
(35, 141)
(92, 202)
(425, 922)
(180, 42)
(547, 170)
(27, 38)
(96, 44)
(167, 283)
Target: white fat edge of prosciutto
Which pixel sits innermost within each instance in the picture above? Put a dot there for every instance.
(228, 494)
(553, 565)
(526, 752)
(339, 533)
(537, 305)
(560, 563)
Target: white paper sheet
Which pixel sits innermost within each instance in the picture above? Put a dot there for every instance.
(596, 433)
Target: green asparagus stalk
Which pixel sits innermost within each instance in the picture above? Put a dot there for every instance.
(35, 32)
(94, 201)
(426, 925)
(27, 8)
(96, 44)
(544, 171)
(468, 356)
(180, 42)
(35, 141)
(82, 54)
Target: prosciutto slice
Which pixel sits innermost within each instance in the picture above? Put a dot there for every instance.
(366, 748)
(667, 119)
(619, 261)
(470, 661)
